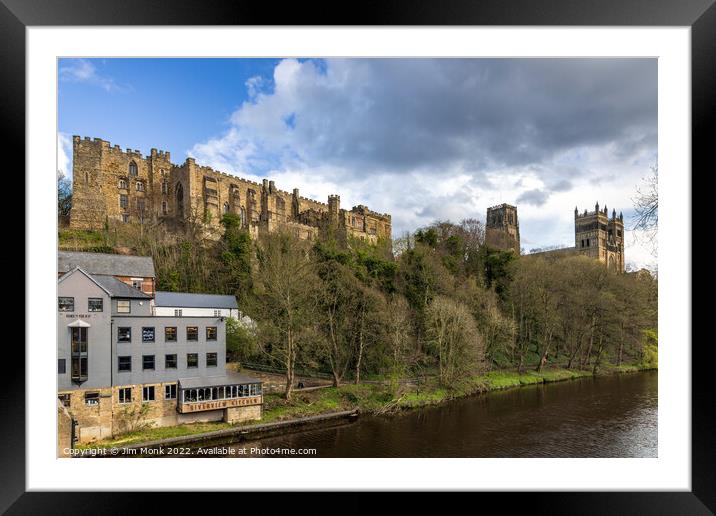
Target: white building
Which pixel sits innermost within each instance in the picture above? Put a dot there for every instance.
(181, 304)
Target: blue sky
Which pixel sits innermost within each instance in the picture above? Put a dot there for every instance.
(423, 139)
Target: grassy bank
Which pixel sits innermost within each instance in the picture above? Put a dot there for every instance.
(369, 399)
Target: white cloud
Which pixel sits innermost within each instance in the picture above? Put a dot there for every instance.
(445, 139)
(85, 71)
(64, 154)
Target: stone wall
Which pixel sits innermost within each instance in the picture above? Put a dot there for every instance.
(106, 192)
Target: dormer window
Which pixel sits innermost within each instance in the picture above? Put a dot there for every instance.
(132, 168)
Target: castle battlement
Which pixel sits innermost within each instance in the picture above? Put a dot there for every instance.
(190, 189)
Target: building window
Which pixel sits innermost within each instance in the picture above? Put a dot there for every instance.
(122, 184)
(140, 186)
(137, 283)
(211, 359)
(65, 399)
(177, 312)
(66, 304)
(192, 333)
(125, 395)
(211, 333)
(170, 392)
(125, 218)
(92, 398)
(61, 366)
(148, 393)
(123, 201)
(148, 334)
(79, 340)
(170, 361)
(587, 242)
(165, 208)
(170, 334)
(124, 306)
(619, 232)
(140, 206)
(124, 334)
(124, 364)
(217, 313)
(94, 304)
(226, 207)
(165, 187)
(132, 168)
(192, 360)
(147, 362)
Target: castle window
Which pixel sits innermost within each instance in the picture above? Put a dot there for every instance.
(165, 187)
(132, 168)
(587, 242)
(122, 184)
(123, 201)
(226, 207)
(165, 207)
(619, 232)
(140, 186)
(125, 217)
(86, 177)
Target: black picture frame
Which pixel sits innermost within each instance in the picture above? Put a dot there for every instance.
(700, 15)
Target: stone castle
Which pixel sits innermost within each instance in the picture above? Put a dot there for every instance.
(595, 234)
(112, 186)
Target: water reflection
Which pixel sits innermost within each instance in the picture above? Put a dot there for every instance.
(604, 417)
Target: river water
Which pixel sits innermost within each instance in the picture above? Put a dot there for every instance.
(612, 416)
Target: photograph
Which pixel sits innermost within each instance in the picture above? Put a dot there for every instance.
(357, 257)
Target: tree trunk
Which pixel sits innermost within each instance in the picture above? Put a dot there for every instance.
(621, 346)
(543, 359)
(289, 366)
(360, 346)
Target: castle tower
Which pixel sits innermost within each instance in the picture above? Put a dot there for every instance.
(600, 237)
(502, 229)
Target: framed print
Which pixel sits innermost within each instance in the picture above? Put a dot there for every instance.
(418, 249)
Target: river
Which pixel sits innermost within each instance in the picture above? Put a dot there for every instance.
(611, 416)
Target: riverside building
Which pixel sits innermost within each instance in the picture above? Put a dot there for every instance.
(120, 366)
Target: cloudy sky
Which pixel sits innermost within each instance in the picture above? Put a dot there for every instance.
(422, 139)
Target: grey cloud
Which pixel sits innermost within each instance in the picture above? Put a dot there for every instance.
(535, 197)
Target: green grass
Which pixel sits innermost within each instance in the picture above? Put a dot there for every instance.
(82, 240)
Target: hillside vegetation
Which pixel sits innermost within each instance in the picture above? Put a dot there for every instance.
(438, 304)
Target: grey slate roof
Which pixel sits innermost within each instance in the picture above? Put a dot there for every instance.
(186, 300)
(117, 288)
(106, 264)
(230, 378)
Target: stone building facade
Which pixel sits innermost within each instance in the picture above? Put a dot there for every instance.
(111, 185)
(596, 234)
(120, 365)
(502, 229)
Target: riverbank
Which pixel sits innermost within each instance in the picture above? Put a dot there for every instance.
(366, 398)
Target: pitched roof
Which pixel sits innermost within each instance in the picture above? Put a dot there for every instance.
(107, 264)
(186, 300)
(118, 288)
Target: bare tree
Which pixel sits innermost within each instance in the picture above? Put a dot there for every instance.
(285, 284)
(646, 207)
(64, 198)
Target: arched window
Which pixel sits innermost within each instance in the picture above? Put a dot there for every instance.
(180, 200)
(242, 215)
(86, 177)
(226, 207)
(132, 168)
